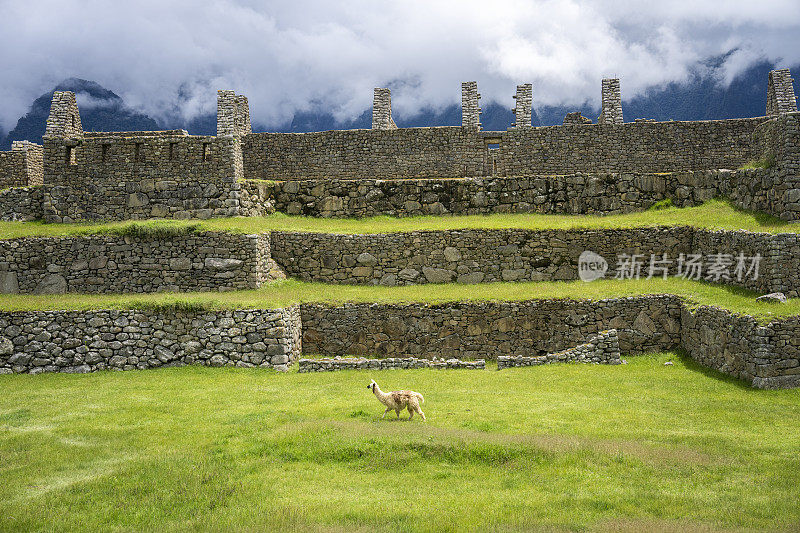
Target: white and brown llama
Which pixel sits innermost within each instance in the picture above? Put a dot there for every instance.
(398, 400)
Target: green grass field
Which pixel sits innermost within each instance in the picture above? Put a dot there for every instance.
(715, 214)
(634, 447)
(288, 292)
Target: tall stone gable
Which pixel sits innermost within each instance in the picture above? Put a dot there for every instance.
(64, 120)
(780, 93)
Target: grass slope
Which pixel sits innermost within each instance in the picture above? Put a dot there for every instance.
(715, 214)
(283, 293)
(561, 447)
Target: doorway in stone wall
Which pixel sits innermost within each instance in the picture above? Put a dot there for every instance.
(492, 152)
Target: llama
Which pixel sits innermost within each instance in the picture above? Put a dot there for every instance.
(399, 400)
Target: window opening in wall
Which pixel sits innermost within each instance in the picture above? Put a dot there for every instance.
(205, 151)
(73, 121)
(69, 156)
(172, 150)
(104, 153)
(137, 151)
(494, 146)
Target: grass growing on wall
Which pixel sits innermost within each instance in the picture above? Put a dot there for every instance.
(715, 214)
(636, 447)
(288, 292)
(767, 161)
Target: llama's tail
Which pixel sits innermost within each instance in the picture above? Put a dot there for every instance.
(421, 399)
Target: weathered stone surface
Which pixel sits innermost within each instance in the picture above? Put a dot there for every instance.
(602, 348)
(51, 284)
(352, 363)
(124, 340)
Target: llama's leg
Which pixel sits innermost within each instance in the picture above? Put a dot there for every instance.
(422, 415)
(384, 413)
(398, 413)
(410, 412)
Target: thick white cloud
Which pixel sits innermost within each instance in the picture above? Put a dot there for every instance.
(295, 56)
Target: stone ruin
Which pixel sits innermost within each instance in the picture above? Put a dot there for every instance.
(605, 168)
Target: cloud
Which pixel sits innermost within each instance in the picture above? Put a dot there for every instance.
(167, 59)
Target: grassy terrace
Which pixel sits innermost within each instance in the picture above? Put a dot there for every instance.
(639, 447)
(289, 292)
(715, 214)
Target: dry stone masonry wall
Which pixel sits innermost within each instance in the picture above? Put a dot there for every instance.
(209, 261)
(86, 341)
(22, 166)
(470, 106)
(611, 112)
(382, 110)
(523, 106)
(487, 330)
(780, 93)
(329, 364)
(22, 204)
(603, 348)
(464, 256)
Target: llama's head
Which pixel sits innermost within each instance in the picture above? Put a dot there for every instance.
(372, 385)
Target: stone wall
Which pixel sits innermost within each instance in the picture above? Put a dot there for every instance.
(602, 194)
(486, 330)
(157, 175)
(766, 356)
(397, 153)
(465, 256)
(22, 166)
(603, 348)
(21, 204)
(770, 190)
(85, 341)
(208, 261)
(328, 364)
(451, 152)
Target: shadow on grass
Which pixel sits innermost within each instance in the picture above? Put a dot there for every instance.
(694, 366)
(761, 218)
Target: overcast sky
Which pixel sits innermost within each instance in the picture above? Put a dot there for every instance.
(291, 55)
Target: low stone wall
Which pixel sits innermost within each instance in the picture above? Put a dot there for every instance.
(209, 261)
(600, 349)
(465, 256)
(21, 204)
(390, 363)
(86, 341)
(766, 356)
(486, 330)
(480, 256)
(778, 268)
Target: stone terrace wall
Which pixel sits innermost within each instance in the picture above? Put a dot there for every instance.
(604, 194)
(603, 348)
(449, 152)
(360, 363)
(765, 356)
(466, 256)
(768, 190)
(207, 261)
(480, 256)
(21, 203)
(121, 176)
(779, 268)
(85, 341)
(487, 330)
